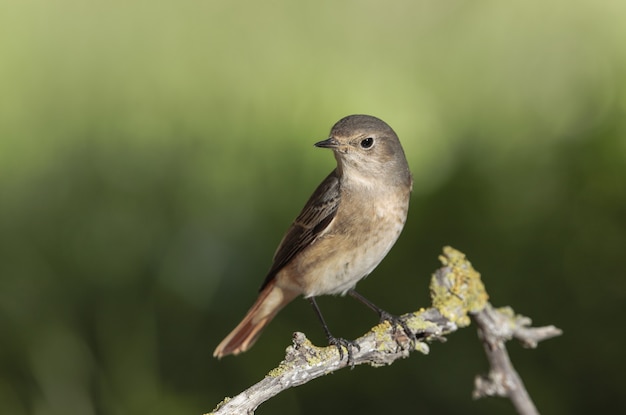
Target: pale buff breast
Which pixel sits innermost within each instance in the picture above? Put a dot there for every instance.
(360, 236)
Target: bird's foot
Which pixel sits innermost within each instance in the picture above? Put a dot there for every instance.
(349, 345)
(396, 322)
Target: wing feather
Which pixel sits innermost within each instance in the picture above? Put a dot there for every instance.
(315, 217)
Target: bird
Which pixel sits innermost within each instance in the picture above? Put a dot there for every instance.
(345, 229)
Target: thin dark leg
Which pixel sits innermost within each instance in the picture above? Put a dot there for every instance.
(384, 315)
(332, 340)
(368, 303)
(320, 317)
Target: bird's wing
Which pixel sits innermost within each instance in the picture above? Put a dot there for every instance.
(316, 215)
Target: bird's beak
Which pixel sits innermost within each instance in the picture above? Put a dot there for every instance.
(328, 143)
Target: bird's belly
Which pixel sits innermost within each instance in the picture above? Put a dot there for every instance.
(341, 259)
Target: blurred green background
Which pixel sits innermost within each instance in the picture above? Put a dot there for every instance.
(152, 153)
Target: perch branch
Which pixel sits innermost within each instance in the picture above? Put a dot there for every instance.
(457, 296)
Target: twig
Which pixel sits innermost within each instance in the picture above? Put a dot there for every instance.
(494, 328)
(457, 293)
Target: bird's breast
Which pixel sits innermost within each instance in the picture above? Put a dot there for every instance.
(363, 231)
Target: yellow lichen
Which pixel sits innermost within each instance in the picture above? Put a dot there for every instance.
(219, 405)
(417, 323)
(280, 369)
(381, 332)
(422, 347)
(457, 290)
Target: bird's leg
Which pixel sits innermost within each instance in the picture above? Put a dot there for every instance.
(332, 340)
(394, 320)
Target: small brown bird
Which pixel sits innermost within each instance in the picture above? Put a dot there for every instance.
(345, 229)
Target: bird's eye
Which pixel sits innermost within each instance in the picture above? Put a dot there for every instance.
(367, 142)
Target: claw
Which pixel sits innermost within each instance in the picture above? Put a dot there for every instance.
(396, 321)
(340, 343)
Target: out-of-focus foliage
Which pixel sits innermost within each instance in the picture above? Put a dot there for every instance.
(153, 153)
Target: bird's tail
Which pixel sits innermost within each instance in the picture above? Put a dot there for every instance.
(270, 301)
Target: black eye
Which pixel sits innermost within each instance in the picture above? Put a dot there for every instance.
(367, 142)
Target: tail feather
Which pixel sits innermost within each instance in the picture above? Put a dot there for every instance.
(270, 301)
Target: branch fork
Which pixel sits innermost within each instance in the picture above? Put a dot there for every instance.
(458, 297)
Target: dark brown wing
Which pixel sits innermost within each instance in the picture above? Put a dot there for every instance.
(316, 215)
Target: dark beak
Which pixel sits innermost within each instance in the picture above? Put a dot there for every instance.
(328, 143)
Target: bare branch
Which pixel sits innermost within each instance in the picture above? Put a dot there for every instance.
(495, 327)
(457, 294)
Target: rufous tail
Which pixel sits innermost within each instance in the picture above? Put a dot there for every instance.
(270, 301)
